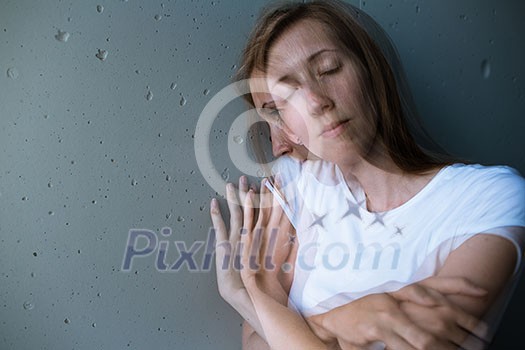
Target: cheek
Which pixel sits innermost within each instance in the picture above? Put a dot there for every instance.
(295, 118)
(298, 127)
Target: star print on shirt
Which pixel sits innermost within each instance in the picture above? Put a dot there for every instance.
(378, 219)
(399, 232)
(318, 220)
(353, 209)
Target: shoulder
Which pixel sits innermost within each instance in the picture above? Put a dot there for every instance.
(498, 178)
(485, 196)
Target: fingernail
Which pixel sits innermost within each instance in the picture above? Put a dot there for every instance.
(243, 180)
(214, 203)
(229, 186)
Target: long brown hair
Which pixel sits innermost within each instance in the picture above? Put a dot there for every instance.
(380, 72)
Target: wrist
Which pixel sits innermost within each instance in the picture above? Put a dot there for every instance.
(322, 325)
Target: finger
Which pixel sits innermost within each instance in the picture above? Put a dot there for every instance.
(393, 341)
(446, 323)
(243, 189)
(416, 336)
(235, 212)
(217, 221)
(473, 343)
(453, 285)
(246, 236)
(223, 255)
(416, 294)
(248, 217)
(265, 205)
(473, 325)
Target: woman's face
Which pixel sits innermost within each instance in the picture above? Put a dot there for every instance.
(315, 88)
(281, 138)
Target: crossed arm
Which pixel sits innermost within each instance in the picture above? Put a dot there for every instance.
(437, 313)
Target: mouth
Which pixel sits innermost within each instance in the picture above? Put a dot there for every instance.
(334, 129)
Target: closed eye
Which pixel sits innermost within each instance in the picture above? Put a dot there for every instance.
(328, 71)
(272, 115)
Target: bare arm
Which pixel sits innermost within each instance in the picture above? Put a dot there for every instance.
(485, 260)
(488, 261)
(283, 328)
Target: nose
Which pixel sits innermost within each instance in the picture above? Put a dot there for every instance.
(280, 144)
(317, 100)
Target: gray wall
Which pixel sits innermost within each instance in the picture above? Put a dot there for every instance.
(92, 147)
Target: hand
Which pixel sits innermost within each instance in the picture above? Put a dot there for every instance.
(265, 243)
(430, 322)
(283, 327)
(372, 318)
(227, 256)
(425, 304)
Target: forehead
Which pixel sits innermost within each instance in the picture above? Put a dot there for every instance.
(298, 42)
(259, 89)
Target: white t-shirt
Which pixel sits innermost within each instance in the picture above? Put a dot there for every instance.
(346, 252)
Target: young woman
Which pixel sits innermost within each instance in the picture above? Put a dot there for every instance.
(332, 90)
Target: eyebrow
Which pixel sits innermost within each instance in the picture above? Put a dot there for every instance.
(287, 78)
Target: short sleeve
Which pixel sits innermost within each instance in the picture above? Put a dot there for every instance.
(497, 199)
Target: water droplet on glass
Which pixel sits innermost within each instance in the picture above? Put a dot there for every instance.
(158, 17)
(12, 73)
(173, 86)
(261, 173)
(225, 174)
(238, 139)
(25, 198)
(168, 216)
(133, 182)
(418, 9)
(100, 8)
(28, 305)
(485, 69)
(93, 325)
(149, 96)
(62, 36)
(67, 321)
(180, 219)
(102, 54)
(182, 101)
(51, 213)
(206, 92)
(168, 178)
(33, 274)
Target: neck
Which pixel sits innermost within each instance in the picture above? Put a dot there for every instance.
(386, 187)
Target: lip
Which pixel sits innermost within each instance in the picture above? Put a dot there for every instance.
(334, 129)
